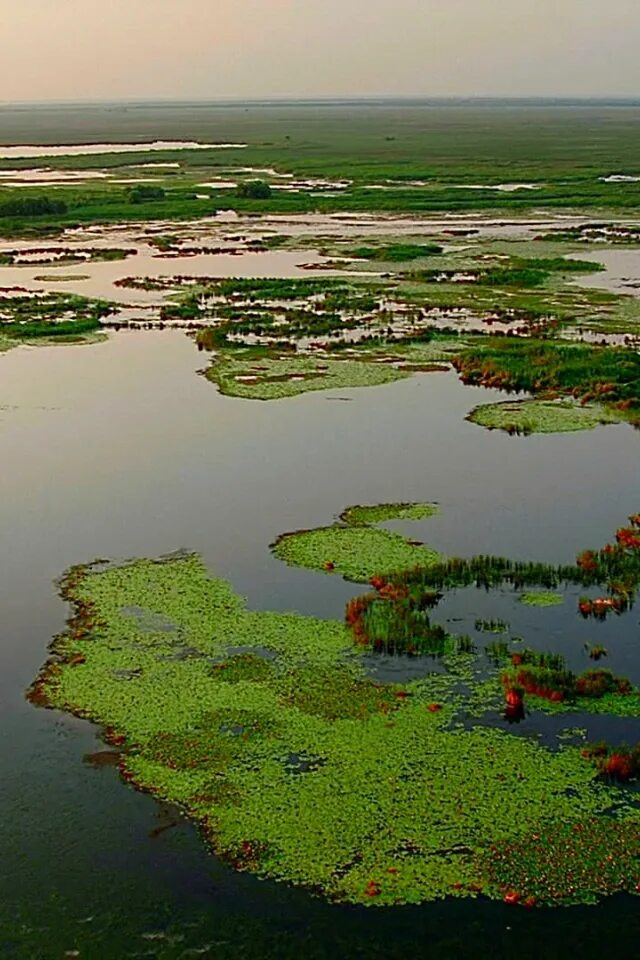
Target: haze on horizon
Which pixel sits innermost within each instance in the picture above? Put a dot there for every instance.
(217, 49)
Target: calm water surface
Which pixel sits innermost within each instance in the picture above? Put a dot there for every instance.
(120, 450)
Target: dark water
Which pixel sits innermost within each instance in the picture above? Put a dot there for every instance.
(120, 450)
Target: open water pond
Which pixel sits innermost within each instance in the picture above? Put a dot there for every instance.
(118, 450)
(622, 270)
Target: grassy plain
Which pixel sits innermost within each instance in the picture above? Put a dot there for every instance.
(426, 158)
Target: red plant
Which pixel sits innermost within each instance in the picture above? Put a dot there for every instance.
(514, 697)
(587, 561)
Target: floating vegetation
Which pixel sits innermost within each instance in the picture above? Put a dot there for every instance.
(542, 599)
(567, 861)
(491, 626)
(290, 757)
(274, 378)
(383, 512)
(357, 553)
(597, 652)
(543, 416)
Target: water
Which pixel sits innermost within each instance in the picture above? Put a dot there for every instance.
(621, 274)
(90, 149)
(99, 279)
(119, 449)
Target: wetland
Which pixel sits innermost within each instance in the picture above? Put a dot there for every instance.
(324, 557)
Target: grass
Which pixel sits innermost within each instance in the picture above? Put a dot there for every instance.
(563, 151)
(608, 375)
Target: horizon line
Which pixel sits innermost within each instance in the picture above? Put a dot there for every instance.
(346, 99)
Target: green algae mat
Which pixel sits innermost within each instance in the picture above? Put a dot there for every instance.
(268, 731)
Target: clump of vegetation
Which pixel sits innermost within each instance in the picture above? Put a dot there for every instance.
(491, 626)
(60, 315)
(619, 764)
(382, 512)
(290, 765)
(386, 623)
(597, 652)
(396, 252)
(254, 190)
(543, 598)
(274, 378)
(548, 682)
(357, 553)
(533, 272)
(32, 207)
(144, 193)
(605, 375)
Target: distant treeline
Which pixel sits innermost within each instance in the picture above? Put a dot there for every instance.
(32, 207)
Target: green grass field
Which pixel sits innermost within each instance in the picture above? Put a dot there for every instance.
(427, 159)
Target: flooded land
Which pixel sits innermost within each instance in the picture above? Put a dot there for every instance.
(322, 538)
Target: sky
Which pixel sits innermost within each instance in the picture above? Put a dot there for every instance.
(210, 49)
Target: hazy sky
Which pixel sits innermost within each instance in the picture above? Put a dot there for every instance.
(92, 49)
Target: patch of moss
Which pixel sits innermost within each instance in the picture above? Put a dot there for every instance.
(543, 416)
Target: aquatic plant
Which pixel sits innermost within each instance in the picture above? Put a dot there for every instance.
(355, 549)
(552, 681)
(597, 652)
(491, 626)
(605, 375)
(619, 764)
(523, 417)
(541, 599)
(291, 765)
(566, 862)
(357, 553)
(276, 378)
(382, 512)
